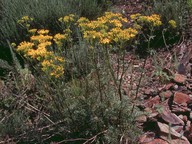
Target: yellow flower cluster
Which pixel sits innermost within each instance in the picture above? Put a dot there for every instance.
(59, 39)
(54, 66)
(25, 47)
(67, 19)
(38, 48)
(43, 32)
(106, 29)
(41, 52)
(153, 20)
(41, 38)
(172, 23)
(25, 21)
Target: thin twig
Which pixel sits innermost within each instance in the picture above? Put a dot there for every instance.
(92, 139)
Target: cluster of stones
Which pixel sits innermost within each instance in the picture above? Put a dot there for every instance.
(167, 114)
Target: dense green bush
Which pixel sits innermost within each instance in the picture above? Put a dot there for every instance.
(45, 12)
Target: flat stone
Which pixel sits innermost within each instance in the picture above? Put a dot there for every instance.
(183, 118)
(166, 94)
(180, 98)
(169, 86)
(171, 118)
(188, 126)
(152, 102)
(166, 132)
(179, 78)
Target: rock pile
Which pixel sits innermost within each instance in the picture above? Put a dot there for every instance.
(167, 114)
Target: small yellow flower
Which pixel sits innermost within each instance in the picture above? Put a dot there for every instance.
(54, 66)
(135, 16)
(60, 19)
(41, 38)
(13, 44)
(69, 18)
(32, 31)
(59, 39)
(25, 18)
(25, 46)
(43, 31)
(105, 41)
(172, 23)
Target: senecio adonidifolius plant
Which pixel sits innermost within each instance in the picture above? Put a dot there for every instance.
(40, 47)
(106, 30)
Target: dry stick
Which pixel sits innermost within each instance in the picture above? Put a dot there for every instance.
(164, 40)
(39, 129)
(94, 137)
(122, 74)
(120, 84)
(112, 73)
(141, 76)
(138, 86)
(98, 75)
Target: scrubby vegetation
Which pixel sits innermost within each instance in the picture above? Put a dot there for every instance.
(63, 84)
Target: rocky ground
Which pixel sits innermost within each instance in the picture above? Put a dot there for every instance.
(163, 91)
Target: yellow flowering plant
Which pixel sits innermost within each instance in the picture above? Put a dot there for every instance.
(25, 21)
(66, 23)
(107, 29)
(152, 26)
(172, 23)
(39, 48)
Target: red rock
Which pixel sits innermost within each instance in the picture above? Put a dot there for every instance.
(166, 94)
(188, 126)
(169, 86)
(171, 118)
(166, 132)
(179, 78)
(183, 117)
(157, 141)
(152, 102)
(180, 98)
